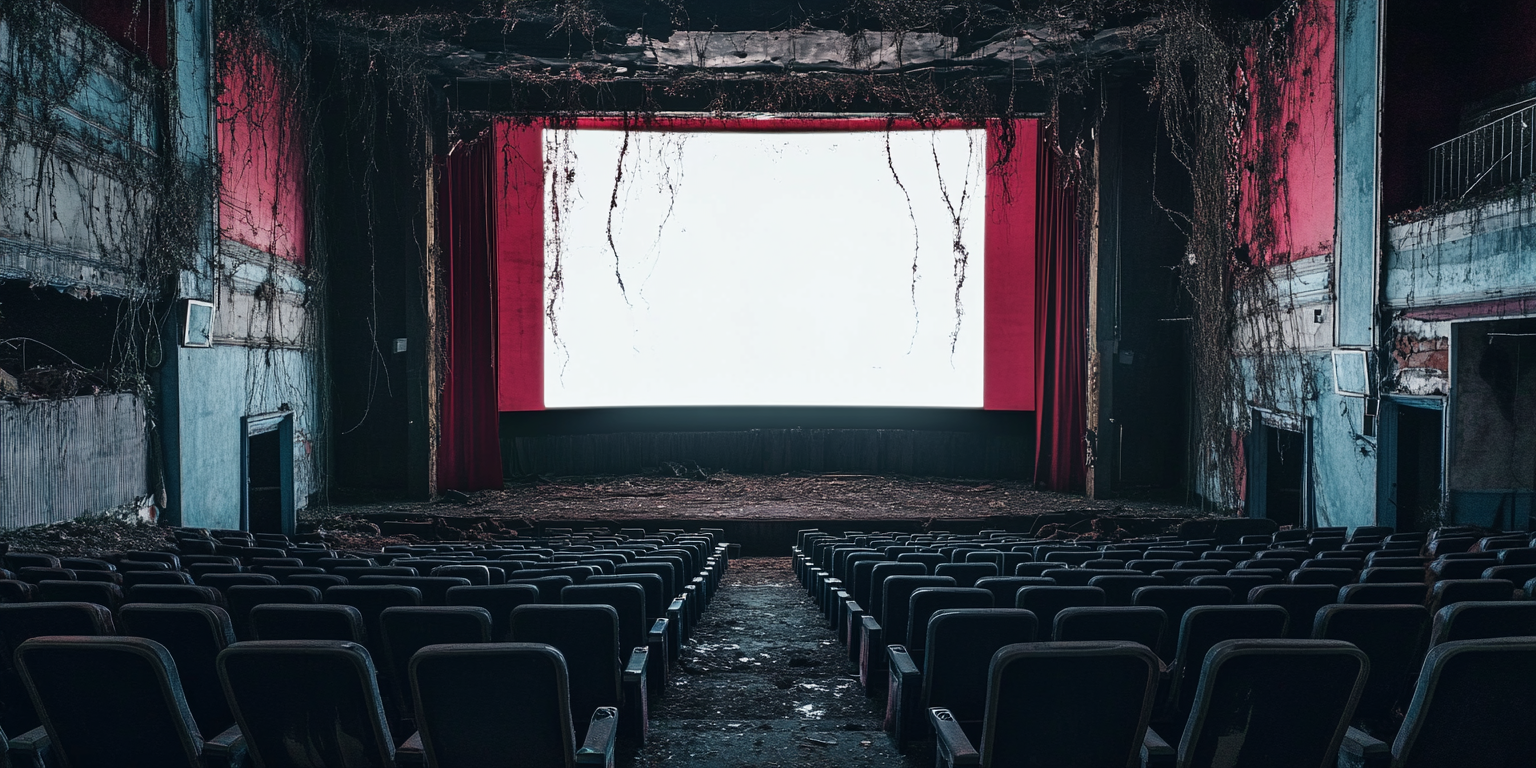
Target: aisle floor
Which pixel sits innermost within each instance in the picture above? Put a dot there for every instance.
(764, 683)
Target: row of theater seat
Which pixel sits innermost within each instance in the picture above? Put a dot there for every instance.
(1244, 661)
(303, 655)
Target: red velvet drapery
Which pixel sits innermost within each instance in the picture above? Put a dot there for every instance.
(468, 450)
(1060, 324)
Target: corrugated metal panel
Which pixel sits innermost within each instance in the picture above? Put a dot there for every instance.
(60, 459)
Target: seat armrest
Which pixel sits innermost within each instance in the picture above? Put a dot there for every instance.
(953, 748)
(30, 749)
(1361, 750)
(657, 632)
(602, 732)
(634, 671)
(226, 750)
(412, 752)
(1157, 753)
(901, 661)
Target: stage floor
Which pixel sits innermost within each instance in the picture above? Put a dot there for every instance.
(696, 496)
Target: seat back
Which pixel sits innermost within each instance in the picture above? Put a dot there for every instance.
(223, 581)
(1273, 702)
(876, 590)
(176, 593)
(1045, 602)
(243, 597)
(434, 589)
(408, 629)
(628, 600)
(897, 600)
(110, 701)
(1005, 589)
(1478, 620)
(494, 704)
(1385, 593)
(194, 633)
(1206, 625)
(1068, 705)
(958, 655)
(588, 637)
(549, 586)
(1175, 601)
(966, 574)
(318, 694)
(1472, 706)
(926, 601)
(1129, 624)
(1300, 601)
(109, 596)
(370, 601)
(1452, 591)
(1119, 590)
(1392, 637)
(498, 600)
(290, 621)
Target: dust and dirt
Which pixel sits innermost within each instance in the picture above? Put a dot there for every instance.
(764, 684)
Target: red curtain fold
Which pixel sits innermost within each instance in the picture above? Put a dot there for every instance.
(1061, 411)
(469, 448)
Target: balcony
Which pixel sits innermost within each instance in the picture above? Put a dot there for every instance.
(1490, 157)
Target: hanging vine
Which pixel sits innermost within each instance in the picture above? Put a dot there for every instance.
(393, 70)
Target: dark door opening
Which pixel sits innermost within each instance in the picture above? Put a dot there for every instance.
(264, 482)
(1418, 495)
(1285, 476)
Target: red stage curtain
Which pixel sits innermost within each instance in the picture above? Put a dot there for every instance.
(468, 449)
(1060, 325)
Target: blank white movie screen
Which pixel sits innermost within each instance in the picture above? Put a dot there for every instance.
(763, 268)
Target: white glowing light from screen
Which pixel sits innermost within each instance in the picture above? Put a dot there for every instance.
(764, 268)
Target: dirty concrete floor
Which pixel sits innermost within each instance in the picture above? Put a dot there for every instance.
(764, 684)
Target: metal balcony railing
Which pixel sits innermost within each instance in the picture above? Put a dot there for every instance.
(1498, 153)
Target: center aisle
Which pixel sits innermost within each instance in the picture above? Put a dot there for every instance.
(764, 683)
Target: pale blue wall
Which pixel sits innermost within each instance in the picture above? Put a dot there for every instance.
(1358, 199)
(1482, 254)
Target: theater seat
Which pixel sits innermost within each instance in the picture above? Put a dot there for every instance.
(952, 672)
(317, 693)
(20, 622)
(408, 629)
(1385, 593)
(243, 597)
(1203, 627)
(1300, 601)
(1392, 637)
(466, 719)
(1037, 713)
(1478, 620)
(588, 637)
(111, 701)
(1272, 702)
(1045, 602)
(100, 593)
(1471, 706)
(194, 634)
(498, 600)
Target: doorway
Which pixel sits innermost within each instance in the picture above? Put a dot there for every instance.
(1285, 476)
(266, 493)
(1278, 469)
(1419, 449)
